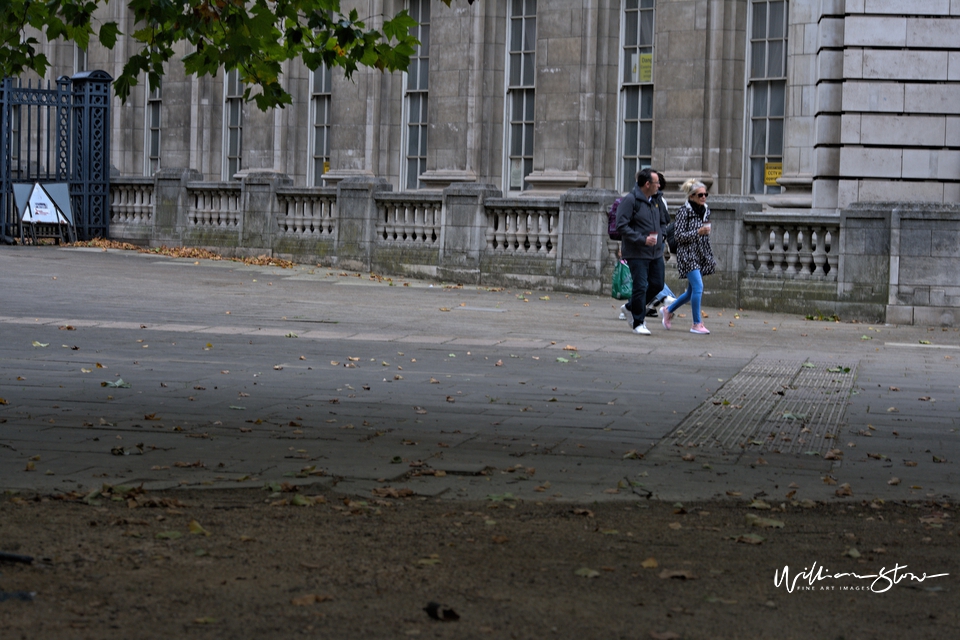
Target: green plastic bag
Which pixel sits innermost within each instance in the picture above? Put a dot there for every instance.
(622, 282)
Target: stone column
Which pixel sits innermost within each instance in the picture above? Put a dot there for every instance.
(867, 278)
(582, 250)
(170, 204)
(357, 220)
(727, 213)
(258, 204)
(463, 235)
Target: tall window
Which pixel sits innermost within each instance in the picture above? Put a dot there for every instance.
(418, 77)
(637, 90)
(521, 92)
(767, 90)
(232, 123)
(79, 59)
(152, 131)
(320, 96)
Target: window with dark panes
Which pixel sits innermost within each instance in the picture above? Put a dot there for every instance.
(418, 80)
(320, 97)
(636, 90)
(233, 123)
(521, 91)
(767, 92)
(152, 146)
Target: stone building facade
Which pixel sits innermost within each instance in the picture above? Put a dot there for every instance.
(807, 106)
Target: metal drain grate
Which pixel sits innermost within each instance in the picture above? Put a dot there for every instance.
(787, 407)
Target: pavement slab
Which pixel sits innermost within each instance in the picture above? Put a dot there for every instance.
(247, 374)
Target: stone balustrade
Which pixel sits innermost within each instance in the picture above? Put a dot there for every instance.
(885, 261)
(214, 206)
(523, 228)
(800, 248)
(131, 203)
(310, 214)
(407, 219)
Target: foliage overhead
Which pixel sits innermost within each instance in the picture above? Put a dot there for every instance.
(253, 36)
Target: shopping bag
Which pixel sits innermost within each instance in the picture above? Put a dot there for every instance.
(622, 287)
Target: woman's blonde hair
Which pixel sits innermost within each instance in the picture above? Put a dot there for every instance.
(692, 185)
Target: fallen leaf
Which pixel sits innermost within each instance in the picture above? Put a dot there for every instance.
(196, 529)
(310, 598)
(391, 492)
(41, 344)
(765, 523)
(844, 490)
(680, 574)
(437, 611)
(169, 535)
(750, 538)
(650, 563)
(587, 572)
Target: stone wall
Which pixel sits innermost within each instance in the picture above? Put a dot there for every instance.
(890, 261)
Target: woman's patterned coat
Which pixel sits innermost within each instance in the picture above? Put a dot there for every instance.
(693, 250)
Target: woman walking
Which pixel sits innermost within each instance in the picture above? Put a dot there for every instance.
(694, 255)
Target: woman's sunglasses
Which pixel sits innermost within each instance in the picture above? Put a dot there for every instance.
(700, 195)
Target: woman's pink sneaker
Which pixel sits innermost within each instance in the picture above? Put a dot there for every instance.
(699, 328)
(667, 317)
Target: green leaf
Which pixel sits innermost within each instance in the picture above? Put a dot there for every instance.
(300, 501)
(766, 523)
(808, 365)
(108, 34)
(169, 535)
(116, 384)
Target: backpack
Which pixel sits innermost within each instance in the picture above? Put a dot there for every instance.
(670, 233)
(612, 220)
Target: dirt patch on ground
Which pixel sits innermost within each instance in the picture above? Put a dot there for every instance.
(247, 564)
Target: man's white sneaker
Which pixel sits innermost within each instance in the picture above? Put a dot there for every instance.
(624, 314)
(669, 300)
(641, 329)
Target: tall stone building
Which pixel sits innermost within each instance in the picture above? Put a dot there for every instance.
(804, 105)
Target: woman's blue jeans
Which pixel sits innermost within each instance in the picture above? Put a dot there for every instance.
(693, 294)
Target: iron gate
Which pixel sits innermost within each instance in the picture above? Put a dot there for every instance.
(59, 133)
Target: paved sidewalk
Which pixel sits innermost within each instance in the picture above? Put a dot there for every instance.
(242, 375)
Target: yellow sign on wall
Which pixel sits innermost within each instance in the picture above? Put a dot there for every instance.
(646, 67)
(771, 172)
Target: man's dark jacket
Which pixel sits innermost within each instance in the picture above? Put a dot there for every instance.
(637, 218)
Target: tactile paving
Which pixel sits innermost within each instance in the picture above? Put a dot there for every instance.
(782, 406)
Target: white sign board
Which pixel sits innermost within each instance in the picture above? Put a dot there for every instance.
(41, 209)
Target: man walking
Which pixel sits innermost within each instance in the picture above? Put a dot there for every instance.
(640, 223)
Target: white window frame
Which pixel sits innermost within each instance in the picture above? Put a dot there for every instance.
(80, 59)
(232, 99)
(630, 68)
(321, 99)
(768, 82)
(416, 85)
(151, 153)
(520, 82)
